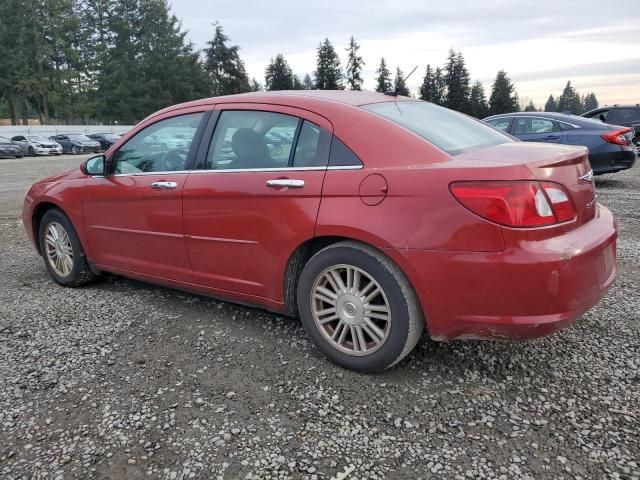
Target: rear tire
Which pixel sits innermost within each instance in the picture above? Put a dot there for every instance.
(61, 250)
(341, 281)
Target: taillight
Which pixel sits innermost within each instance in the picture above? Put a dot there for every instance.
(515, 203)
(617, 137)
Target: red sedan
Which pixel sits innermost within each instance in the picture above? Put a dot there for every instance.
(369, 216)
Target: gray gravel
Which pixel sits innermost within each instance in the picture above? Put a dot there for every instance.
(126, 380)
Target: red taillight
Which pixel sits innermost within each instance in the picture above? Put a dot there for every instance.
(617, 136)
(516, 203)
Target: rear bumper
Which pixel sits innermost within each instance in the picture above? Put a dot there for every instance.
(612, 160)
(528, 291)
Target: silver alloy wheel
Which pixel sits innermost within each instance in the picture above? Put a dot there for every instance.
(59, 250)
(351, 310)
(75, 150)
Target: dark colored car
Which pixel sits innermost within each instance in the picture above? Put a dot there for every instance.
(625, 115)
(76, 143)
(382, 217)
(611, 148)
(105, 139)
(9, 148)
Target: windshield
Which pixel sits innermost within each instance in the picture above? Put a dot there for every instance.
(451, 131)
(111, 136)
(79, 138)
(38, 138)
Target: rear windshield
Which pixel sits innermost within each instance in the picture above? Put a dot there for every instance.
(451, 131)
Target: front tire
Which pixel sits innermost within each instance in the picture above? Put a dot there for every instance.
(32, 152)
(358, 308)
(61, 250)
(75, 150)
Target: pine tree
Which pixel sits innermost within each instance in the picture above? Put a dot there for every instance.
(530, 107)
(590, 102)
(457, 83)
(297, 83)
(255, 85)
(307, 83)
(551, 105)
(278, 75)
(503, 98)
(569, 100)
(226, 69)
(383, 81)
(354, 66)
(479, 105)
(328, 74)
(399, 84)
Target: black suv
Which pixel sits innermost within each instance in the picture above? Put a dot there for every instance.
(625, 115)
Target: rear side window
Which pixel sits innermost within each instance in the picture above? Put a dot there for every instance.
(623, 115)
(532, 126)
(312, 149)
(342, 156)
(451, 131)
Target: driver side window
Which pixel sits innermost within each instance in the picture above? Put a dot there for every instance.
(160, 147)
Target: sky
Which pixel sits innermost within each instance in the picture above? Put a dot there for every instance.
(540, 45)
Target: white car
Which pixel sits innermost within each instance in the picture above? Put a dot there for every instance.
(37, 145)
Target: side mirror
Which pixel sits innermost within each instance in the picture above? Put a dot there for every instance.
(93, 165)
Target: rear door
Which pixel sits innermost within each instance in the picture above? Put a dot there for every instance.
(536, 129)
(255, 197)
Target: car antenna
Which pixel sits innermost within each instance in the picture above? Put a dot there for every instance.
(394, 93)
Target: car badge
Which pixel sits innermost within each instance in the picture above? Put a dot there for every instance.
(587, 177)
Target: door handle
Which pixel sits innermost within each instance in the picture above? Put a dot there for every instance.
(164, 185)
(551, 137)
(285, 182)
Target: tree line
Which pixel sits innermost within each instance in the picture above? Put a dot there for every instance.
(79, 61)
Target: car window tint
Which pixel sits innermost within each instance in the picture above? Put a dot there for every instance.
(623, 115)
(342, 156)
(564, 126)
(532, 126)
(160, 147)
(451, 131)
(500, 123)
(312, 147)
(246, 139)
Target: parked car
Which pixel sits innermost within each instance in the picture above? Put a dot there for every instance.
(625, 115)
(37, 145)
(9, 148)
(105, 139)
(76, 143)
(383, 216)
(610, 146)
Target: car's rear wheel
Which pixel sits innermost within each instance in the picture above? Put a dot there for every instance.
(61, 250)
(358, 308)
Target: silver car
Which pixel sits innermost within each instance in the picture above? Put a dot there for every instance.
(37, 145)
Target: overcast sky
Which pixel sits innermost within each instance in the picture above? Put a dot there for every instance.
(541, 45)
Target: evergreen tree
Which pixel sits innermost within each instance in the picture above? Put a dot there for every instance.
(530, 107)
(457, 83)
(297, 83)
(224, 66)
(354, 66)
(569, 100)
(328, 74)
(307, 83)
(503, 98)
(479, 106)
(551, 105)
(255, 85)
(399, 84)
(590, 102)
(383, 81)
(278, 75)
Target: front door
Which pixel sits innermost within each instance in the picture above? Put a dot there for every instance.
(255, 197)
(133, 217)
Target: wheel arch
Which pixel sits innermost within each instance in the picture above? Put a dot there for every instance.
(36, 217)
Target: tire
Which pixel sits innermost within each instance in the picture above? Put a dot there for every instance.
(19, 156)
(32, 152)
(75, 150)
(79, 273)
(396, 336)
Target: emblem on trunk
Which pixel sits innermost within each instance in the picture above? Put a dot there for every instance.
(587, 177)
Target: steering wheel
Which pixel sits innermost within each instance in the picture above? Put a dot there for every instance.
(172, 160)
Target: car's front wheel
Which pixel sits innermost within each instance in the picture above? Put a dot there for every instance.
(32, 152)
(61, 250)
(358, 308)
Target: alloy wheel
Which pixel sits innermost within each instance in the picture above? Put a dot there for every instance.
(351, 310)
(59, 250)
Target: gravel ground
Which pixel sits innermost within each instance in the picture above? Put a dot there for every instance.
(126, 380)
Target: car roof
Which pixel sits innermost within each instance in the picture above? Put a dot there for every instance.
(561, 117)
(295, 98)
